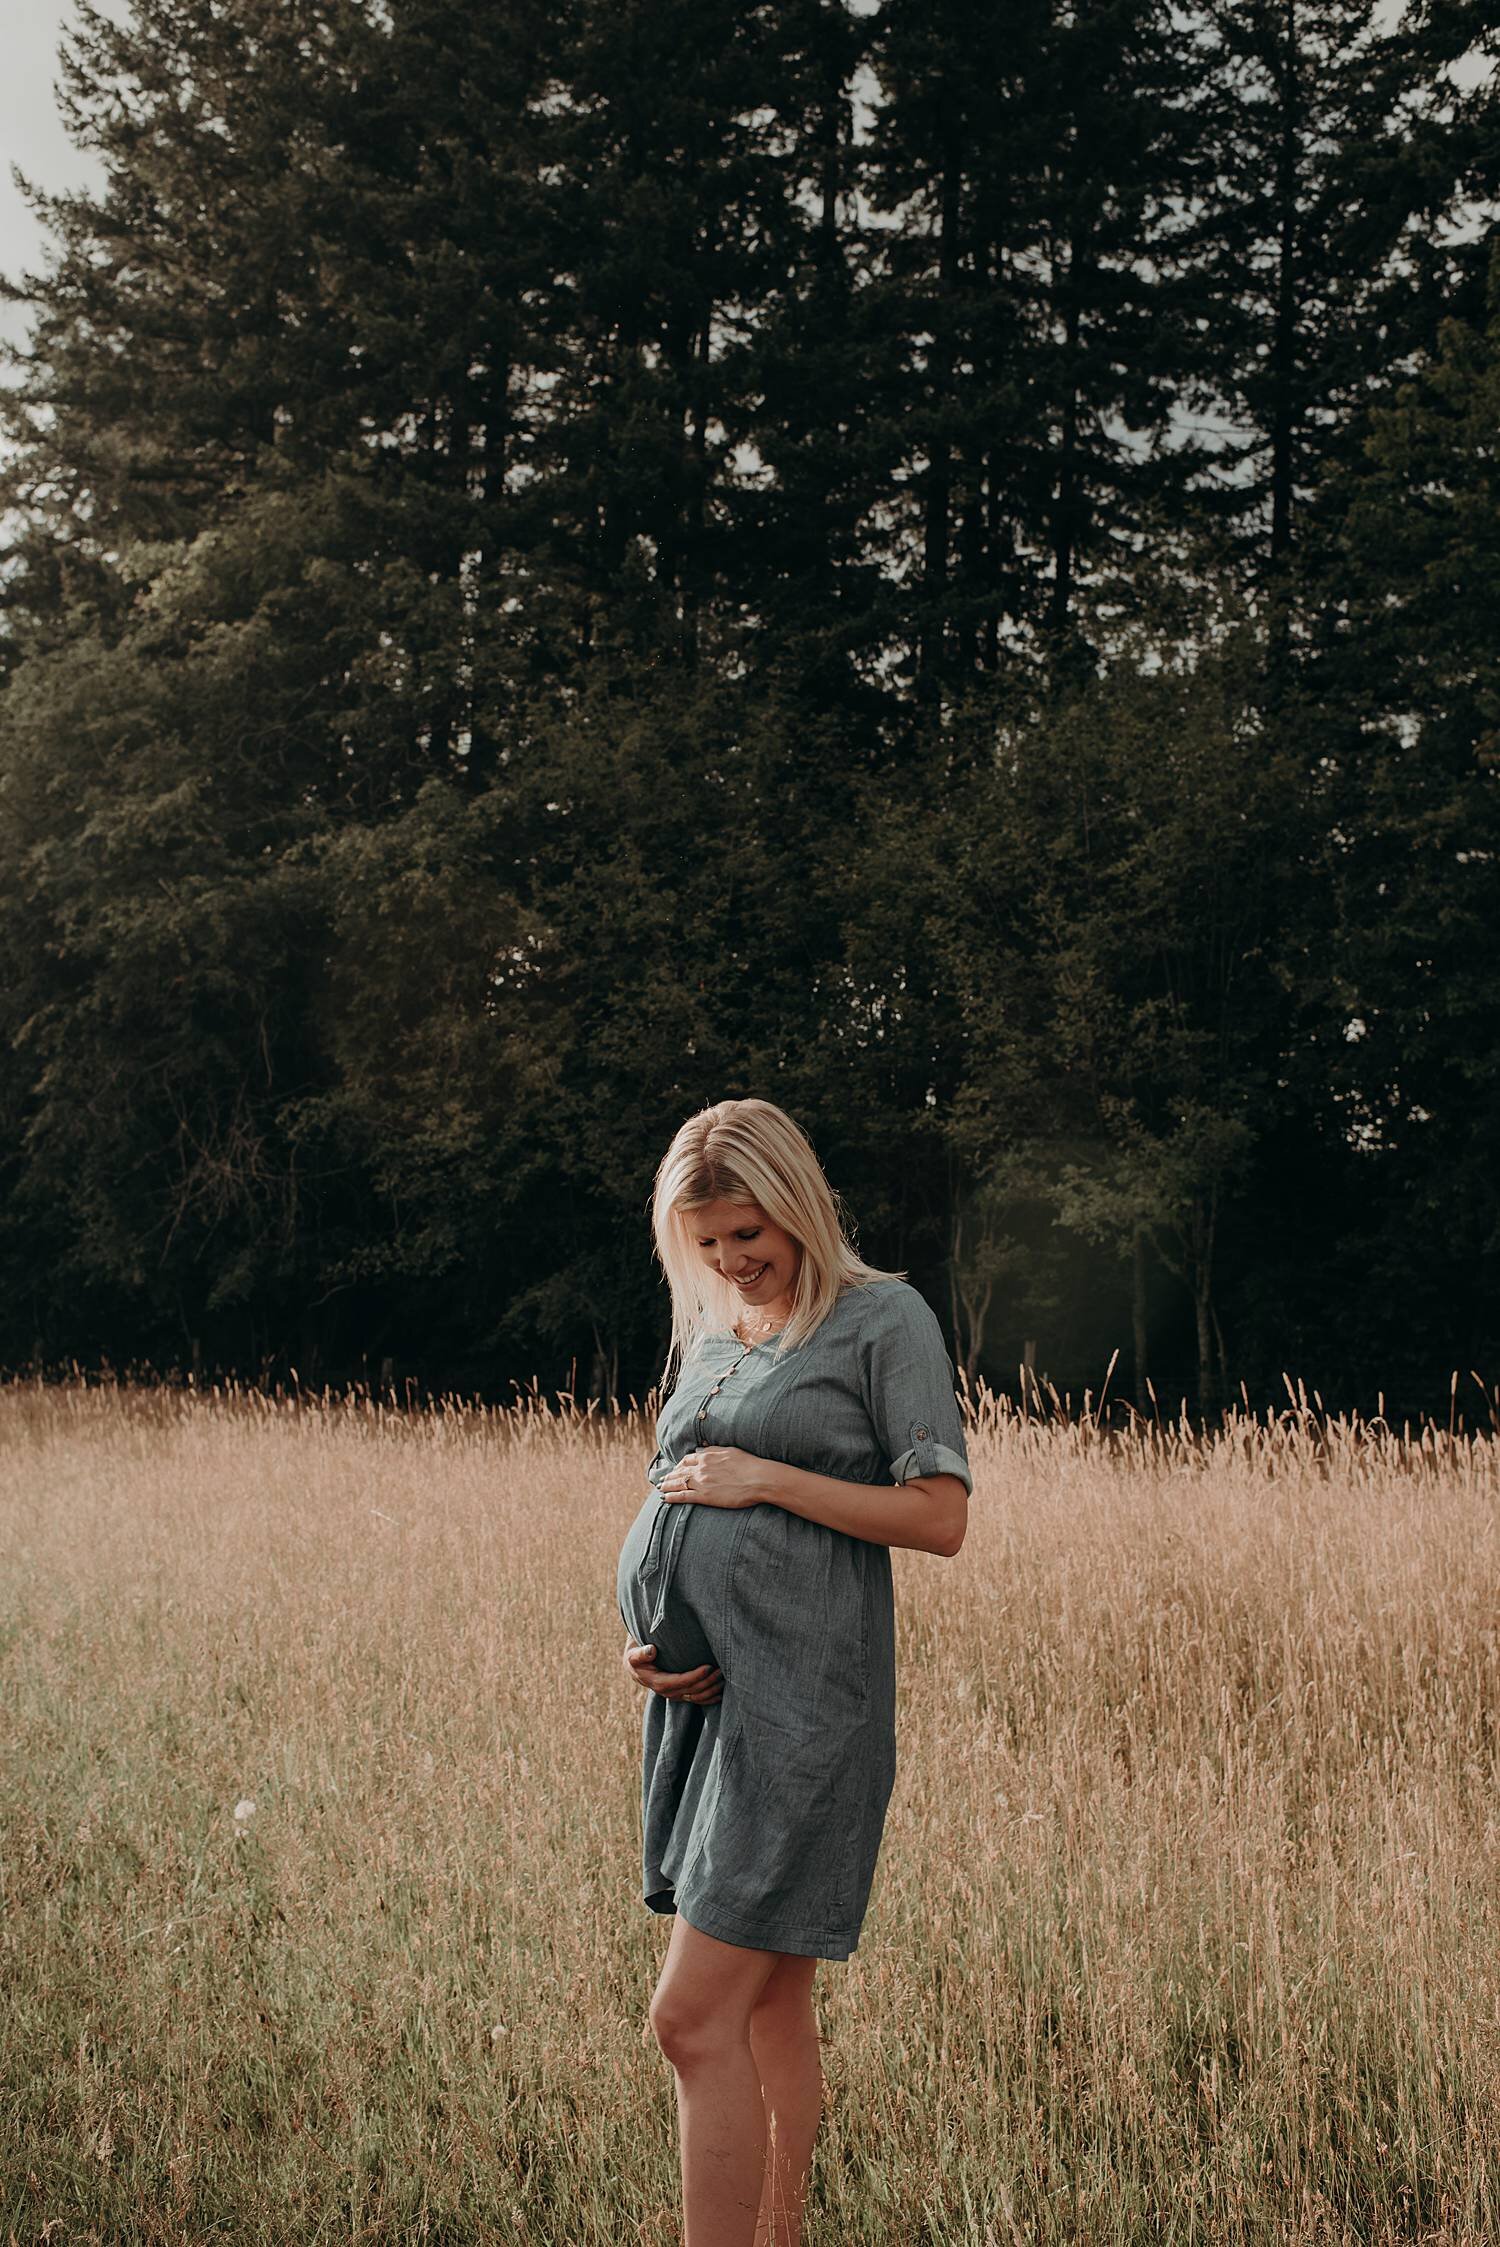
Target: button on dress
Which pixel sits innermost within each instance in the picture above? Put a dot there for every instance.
(762, 1814)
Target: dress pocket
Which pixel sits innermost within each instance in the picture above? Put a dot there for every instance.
(767, 1539)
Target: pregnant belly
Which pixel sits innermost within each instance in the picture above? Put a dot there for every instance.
(797, 1616)
(672, 1580)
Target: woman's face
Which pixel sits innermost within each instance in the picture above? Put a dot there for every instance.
(753, 1253)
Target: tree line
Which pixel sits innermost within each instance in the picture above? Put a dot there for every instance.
(936, 563)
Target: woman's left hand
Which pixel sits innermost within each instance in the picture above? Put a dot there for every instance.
(718, 1475)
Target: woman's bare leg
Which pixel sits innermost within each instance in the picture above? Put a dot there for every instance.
(700, 2015)
(784, 2042)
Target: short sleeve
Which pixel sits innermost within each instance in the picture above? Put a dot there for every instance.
(909, 1387)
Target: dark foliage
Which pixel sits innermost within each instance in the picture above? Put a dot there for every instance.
(937, 564)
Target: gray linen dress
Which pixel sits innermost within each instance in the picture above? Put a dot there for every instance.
(763, 1813)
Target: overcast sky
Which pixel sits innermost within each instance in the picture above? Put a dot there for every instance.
(31, 133)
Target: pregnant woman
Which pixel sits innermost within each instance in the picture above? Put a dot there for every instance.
(813, 1426)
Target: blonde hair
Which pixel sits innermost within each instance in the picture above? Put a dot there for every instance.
(749, 1151)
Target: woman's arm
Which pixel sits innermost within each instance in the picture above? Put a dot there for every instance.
(928, 1514)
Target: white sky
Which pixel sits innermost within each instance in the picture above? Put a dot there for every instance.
(32, 136)
(31, 132)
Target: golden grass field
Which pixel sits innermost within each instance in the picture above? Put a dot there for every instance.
(1186, 1927)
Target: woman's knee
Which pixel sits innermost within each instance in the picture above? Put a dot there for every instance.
(688, 2036)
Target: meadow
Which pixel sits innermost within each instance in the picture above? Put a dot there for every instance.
(320, 1776)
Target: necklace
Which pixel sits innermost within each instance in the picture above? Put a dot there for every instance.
(764, 1335)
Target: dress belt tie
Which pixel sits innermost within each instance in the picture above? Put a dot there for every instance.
(665, 1543)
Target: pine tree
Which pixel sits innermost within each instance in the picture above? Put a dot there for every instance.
(242, 629)
(1339, 157)
(1028, 161)
(1400, 1011)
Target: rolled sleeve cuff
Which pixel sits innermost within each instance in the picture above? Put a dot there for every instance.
(930, 1458)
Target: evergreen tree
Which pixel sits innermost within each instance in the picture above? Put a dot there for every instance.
(565, 563)
(1400, 1011)
(1128, 851)
(1340, 154)
(1029, 162)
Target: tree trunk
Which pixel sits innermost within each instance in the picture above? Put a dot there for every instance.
(977, 1309)
(935, 533)
(695, 491)
(1142, 1369)
(1208, 1372)
(966, 1309)
(604, 1374)
(1064, 519)
(832, 127)
(1284, 341)
(955, 1250)
(1223, 1357)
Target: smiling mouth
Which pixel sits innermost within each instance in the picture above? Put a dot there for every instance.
(748, 1279)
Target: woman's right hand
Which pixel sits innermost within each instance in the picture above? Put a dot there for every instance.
(703, 1685)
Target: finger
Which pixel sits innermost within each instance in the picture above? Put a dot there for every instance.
(681, 1680)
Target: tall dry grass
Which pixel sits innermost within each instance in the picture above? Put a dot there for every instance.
(1185, 1929)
